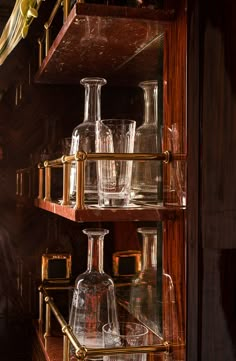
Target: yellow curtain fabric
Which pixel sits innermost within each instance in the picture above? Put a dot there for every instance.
(17, 26)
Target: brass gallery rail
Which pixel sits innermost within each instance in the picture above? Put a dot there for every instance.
(81, 351)
(80, 158)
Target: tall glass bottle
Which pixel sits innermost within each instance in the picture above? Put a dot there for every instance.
(83, 137)
(147, 177)
(94, 302)
(145, 297)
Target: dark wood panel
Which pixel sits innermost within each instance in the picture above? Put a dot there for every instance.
(219, 126)
(211, 179)
(218, 305)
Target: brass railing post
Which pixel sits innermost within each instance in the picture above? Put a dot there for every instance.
(80, 158)
(47, 321)
(66, 182)
(29, 291)
(47, 38)
(30, 183)
(66, 348)
(40, 55)
(17, 183)
(66, 9)
(40, 190)
(48, 24)
(21, 193)
(47, 181)
(41, 303)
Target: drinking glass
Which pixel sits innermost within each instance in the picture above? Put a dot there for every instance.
(124, 335)
(94, 301)
(114, 176)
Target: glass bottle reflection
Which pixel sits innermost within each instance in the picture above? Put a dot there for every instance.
(83, 137)
(94, 302)
(93, 32)
(144, 300)
(147, 177)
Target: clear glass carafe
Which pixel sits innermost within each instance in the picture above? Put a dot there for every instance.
(146, 178)
(94, 301)
(145, 296)
(83, 137)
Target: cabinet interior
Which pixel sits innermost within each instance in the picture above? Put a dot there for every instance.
(125, 46)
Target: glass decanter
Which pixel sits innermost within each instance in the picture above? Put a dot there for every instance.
(94, 301)
(146, 177)
(83, 138)
(145, 302)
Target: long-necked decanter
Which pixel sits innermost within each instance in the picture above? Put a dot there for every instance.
(145, 298)
(146, 177)
(83, 137)
(94, 301)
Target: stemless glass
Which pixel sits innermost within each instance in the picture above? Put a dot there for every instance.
(114, 176)
(124, 335)
(94, 301)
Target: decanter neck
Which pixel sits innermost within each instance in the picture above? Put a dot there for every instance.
(149, 251)
(92, 100)
(150, 89)
(95, 253)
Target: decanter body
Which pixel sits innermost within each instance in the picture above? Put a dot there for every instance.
(83, 138)
(144, 299)
(94, 302)
(146, 181)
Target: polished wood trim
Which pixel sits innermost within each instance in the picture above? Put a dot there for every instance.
(95, 214)
(174, 233)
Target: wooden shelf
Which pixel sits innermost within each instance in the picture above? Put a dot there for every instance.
(96, 214)
(107, 41)
(54, 345)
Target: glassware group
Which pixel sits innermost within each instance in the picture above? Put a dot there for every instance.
(120, 182)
